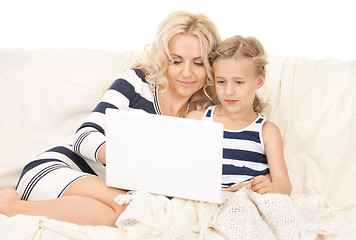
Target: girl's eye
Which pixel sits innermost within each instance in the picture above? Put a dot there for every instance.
(239, 82)
(220, 82)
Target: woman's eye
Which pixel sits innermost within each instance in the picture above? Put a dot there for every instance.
(220, 82)
(175, 61)
(239, 82)
(199, 63)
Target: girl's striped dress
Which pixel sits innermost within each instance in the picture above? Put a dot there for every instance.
(244, 154)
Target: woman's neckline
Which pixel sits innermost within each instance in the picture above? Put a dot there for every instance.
(156, 101)
(158, 107)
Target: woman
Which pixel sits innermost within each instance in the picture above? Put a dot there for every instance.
(68, 182)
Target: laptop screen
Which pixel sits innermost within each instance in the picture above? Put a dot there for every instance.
(164, 155)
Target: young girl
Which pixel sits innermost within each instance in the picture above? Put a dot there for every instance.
(253, 147)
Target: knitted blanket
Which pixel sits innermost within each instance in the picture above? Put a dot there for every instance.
(243, 215)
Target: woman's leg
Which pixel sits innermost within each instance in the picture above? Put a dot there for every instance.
(88, 201)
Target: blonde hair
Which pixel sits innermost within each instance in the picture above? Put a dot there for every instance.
(237, 47)
(156, 56)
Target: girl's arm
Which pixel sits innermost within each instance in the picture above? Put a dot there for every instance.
(279, 180)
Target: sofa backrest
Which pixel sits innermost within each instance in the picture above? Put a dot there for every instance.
(45, 95)
(314, 104)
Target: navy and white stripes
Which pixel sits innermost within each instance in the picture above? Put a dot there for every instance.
(53, 171)
(37, 177)
(243, 152)
(130, 91)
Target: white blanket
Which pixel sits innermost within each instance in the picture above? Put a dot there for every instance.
(246, 215)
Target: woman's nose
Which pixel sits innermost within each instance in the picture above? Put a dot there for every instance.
(187, 70)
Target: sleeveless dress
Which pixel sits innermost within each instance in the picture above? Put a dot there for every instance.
(244, 155)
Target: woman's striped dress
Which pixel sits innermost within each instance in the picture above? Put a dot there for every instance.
(50, 173)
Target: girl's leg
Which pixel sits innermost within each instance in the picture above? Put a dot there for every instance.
(88, 201)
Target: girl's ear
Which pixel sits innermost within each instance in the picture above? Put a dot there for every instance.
(260, 81)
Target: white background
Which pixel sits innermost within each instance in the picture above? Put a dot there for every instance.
(307, 28)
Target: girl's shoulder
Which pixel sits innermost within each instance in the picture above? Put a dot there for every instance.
(270, 131)
(270, 126)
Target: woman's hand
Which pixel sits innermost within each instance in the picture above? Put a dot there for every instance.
(102, 154)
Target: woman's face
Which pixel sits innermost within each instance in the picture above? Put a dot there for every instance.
(186, 74)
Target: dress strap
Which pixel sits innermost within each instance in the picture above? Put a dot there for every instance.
(208, 114)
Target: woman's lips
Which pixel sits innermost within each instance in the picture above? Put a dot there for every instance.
(186, 83)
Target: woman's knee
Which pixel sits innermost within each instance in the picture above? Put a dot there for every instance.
(95, 188)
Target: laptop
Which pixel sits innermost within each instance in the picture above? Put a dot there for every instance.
(164, 155)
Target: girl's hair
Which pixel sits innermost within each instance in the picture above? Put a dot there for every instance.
(239, 47)
(156, 56)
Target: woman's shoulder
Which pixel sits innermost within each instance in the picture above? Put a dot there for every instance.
(130, 78)
(133, 75)
(131, 82)
(196, 114)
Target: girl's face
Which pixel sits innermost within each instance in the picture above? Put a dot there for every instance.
(187, 73)
(236, 84)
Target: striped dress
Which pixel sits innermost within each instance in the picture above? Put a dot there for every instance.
(244, 154)
(50, 173)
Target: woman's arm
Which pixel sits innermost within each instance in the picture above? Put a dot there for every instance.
(89, 140)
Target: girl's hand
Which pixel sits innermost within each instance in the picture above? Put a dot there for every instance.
(235, 188)
(261, 184)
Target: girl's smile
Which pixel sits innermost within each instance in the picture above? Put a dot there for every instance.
(231, 102)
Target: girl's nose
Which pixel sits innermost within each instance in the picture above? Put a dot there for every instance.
(229, 89)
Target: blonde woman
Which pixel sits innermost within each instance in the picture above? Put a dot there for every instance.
(68, 182)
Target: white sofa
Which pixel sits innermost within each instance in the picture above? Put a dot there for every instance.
(45, 94)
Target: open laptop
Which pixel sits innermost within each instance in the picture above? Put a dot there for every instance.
(164, 155)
